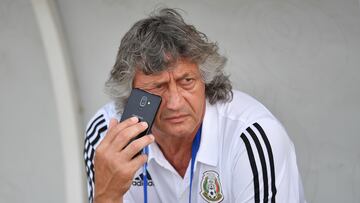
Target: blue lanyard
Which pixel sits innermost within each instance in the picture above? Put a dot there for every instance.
(145, 151)
(194, 149)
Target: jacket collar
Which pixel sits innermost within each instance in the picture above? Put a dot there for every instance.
(209, 145)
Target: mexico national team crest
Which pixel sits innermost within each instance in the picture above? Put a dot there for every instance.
(211, 187)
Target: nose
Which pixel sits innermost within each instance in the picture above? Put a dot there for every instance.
(174, 98)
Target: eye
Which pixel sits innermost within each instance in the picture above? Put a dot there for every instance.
(187, 82)
(159, 86)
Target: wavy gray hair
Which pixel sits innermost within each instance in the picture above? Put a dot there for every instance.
(155, 43)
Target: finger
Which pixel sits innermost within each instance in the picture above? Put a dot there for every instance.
(114, 130)
(112, 123)
(137, 145)
(138, 161)
(123, 137)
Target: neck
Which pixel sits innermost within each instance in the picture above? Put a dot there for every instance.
(176, 150)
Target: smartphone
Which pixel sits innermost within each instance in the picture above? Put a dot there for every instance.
(143, 105)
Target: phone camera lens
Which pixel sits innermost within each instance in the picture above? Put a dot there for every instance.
(143, 101)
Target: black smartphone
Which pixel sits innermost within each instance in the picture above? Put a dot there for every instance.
(143, 105)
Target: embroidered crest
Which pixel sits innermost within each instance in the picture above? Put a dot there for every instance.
(211, 187)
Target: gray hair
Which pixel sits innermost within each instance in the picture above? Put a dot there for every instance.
(154, 44)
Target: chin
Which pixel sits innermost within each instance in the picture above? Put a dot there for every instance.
(177, 130)
(184, 129)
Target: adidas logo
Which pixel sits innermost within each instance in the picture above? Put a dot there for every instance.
(139, 180)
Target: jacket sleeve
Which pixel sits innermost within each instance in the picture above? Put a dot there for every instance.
(95, 131)
(266, 164)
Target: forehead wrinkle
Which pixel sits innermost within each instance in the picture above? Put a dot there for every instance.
(156, 78)
(185, 73)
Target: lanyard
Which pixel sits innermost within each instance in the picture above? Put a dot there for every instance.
(145, 151)
(194, 149)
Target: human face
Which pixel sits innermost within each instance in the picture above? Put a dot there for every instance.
(183, 98)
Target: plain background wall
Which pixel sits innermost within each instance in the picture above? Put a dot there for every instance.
(299, 58)
(31, 164)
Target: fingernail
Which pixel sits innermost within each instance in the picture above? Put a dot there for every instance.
(152, 137)
(134, 118)
(144, 124)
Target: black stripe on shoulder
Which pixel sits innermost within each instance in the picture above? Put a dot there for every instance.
(253, 167)
(263, 163)
(271, 159)
(94, 121)
(92, 138)
(90, 177)
(97, 138)
(97, 126)
(91, 134)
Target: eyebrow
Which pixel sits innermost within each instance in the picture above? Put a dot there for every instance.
(155, 83)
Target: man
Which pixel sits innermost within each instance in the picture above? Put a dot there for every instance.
(208, 142)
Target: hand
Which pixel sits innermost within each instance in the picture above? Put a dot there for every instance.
(115, 166)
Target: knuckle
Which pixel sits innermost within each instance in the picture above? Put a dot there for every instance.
(128, 173)
(118, 138)
(148, 139)
(143, 158)
(126, 137)
(145, 140)
(135, 145)
(141, 126)
(129, 121)
(129, 135)
(123, 136)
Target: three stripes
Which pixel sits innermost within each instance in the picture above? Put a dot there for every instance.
(253, 165)
(93, 135)
(98, 126)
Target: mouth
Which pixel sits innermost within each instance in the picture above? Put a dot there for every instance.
(176, 118)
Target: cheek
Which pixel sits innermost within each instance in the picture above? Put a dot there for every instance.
(160, 110)
(199, 93)
(196, 100)
(200, 104)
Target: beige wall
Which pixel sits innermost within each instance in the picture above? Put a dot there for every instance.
(31, 164)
